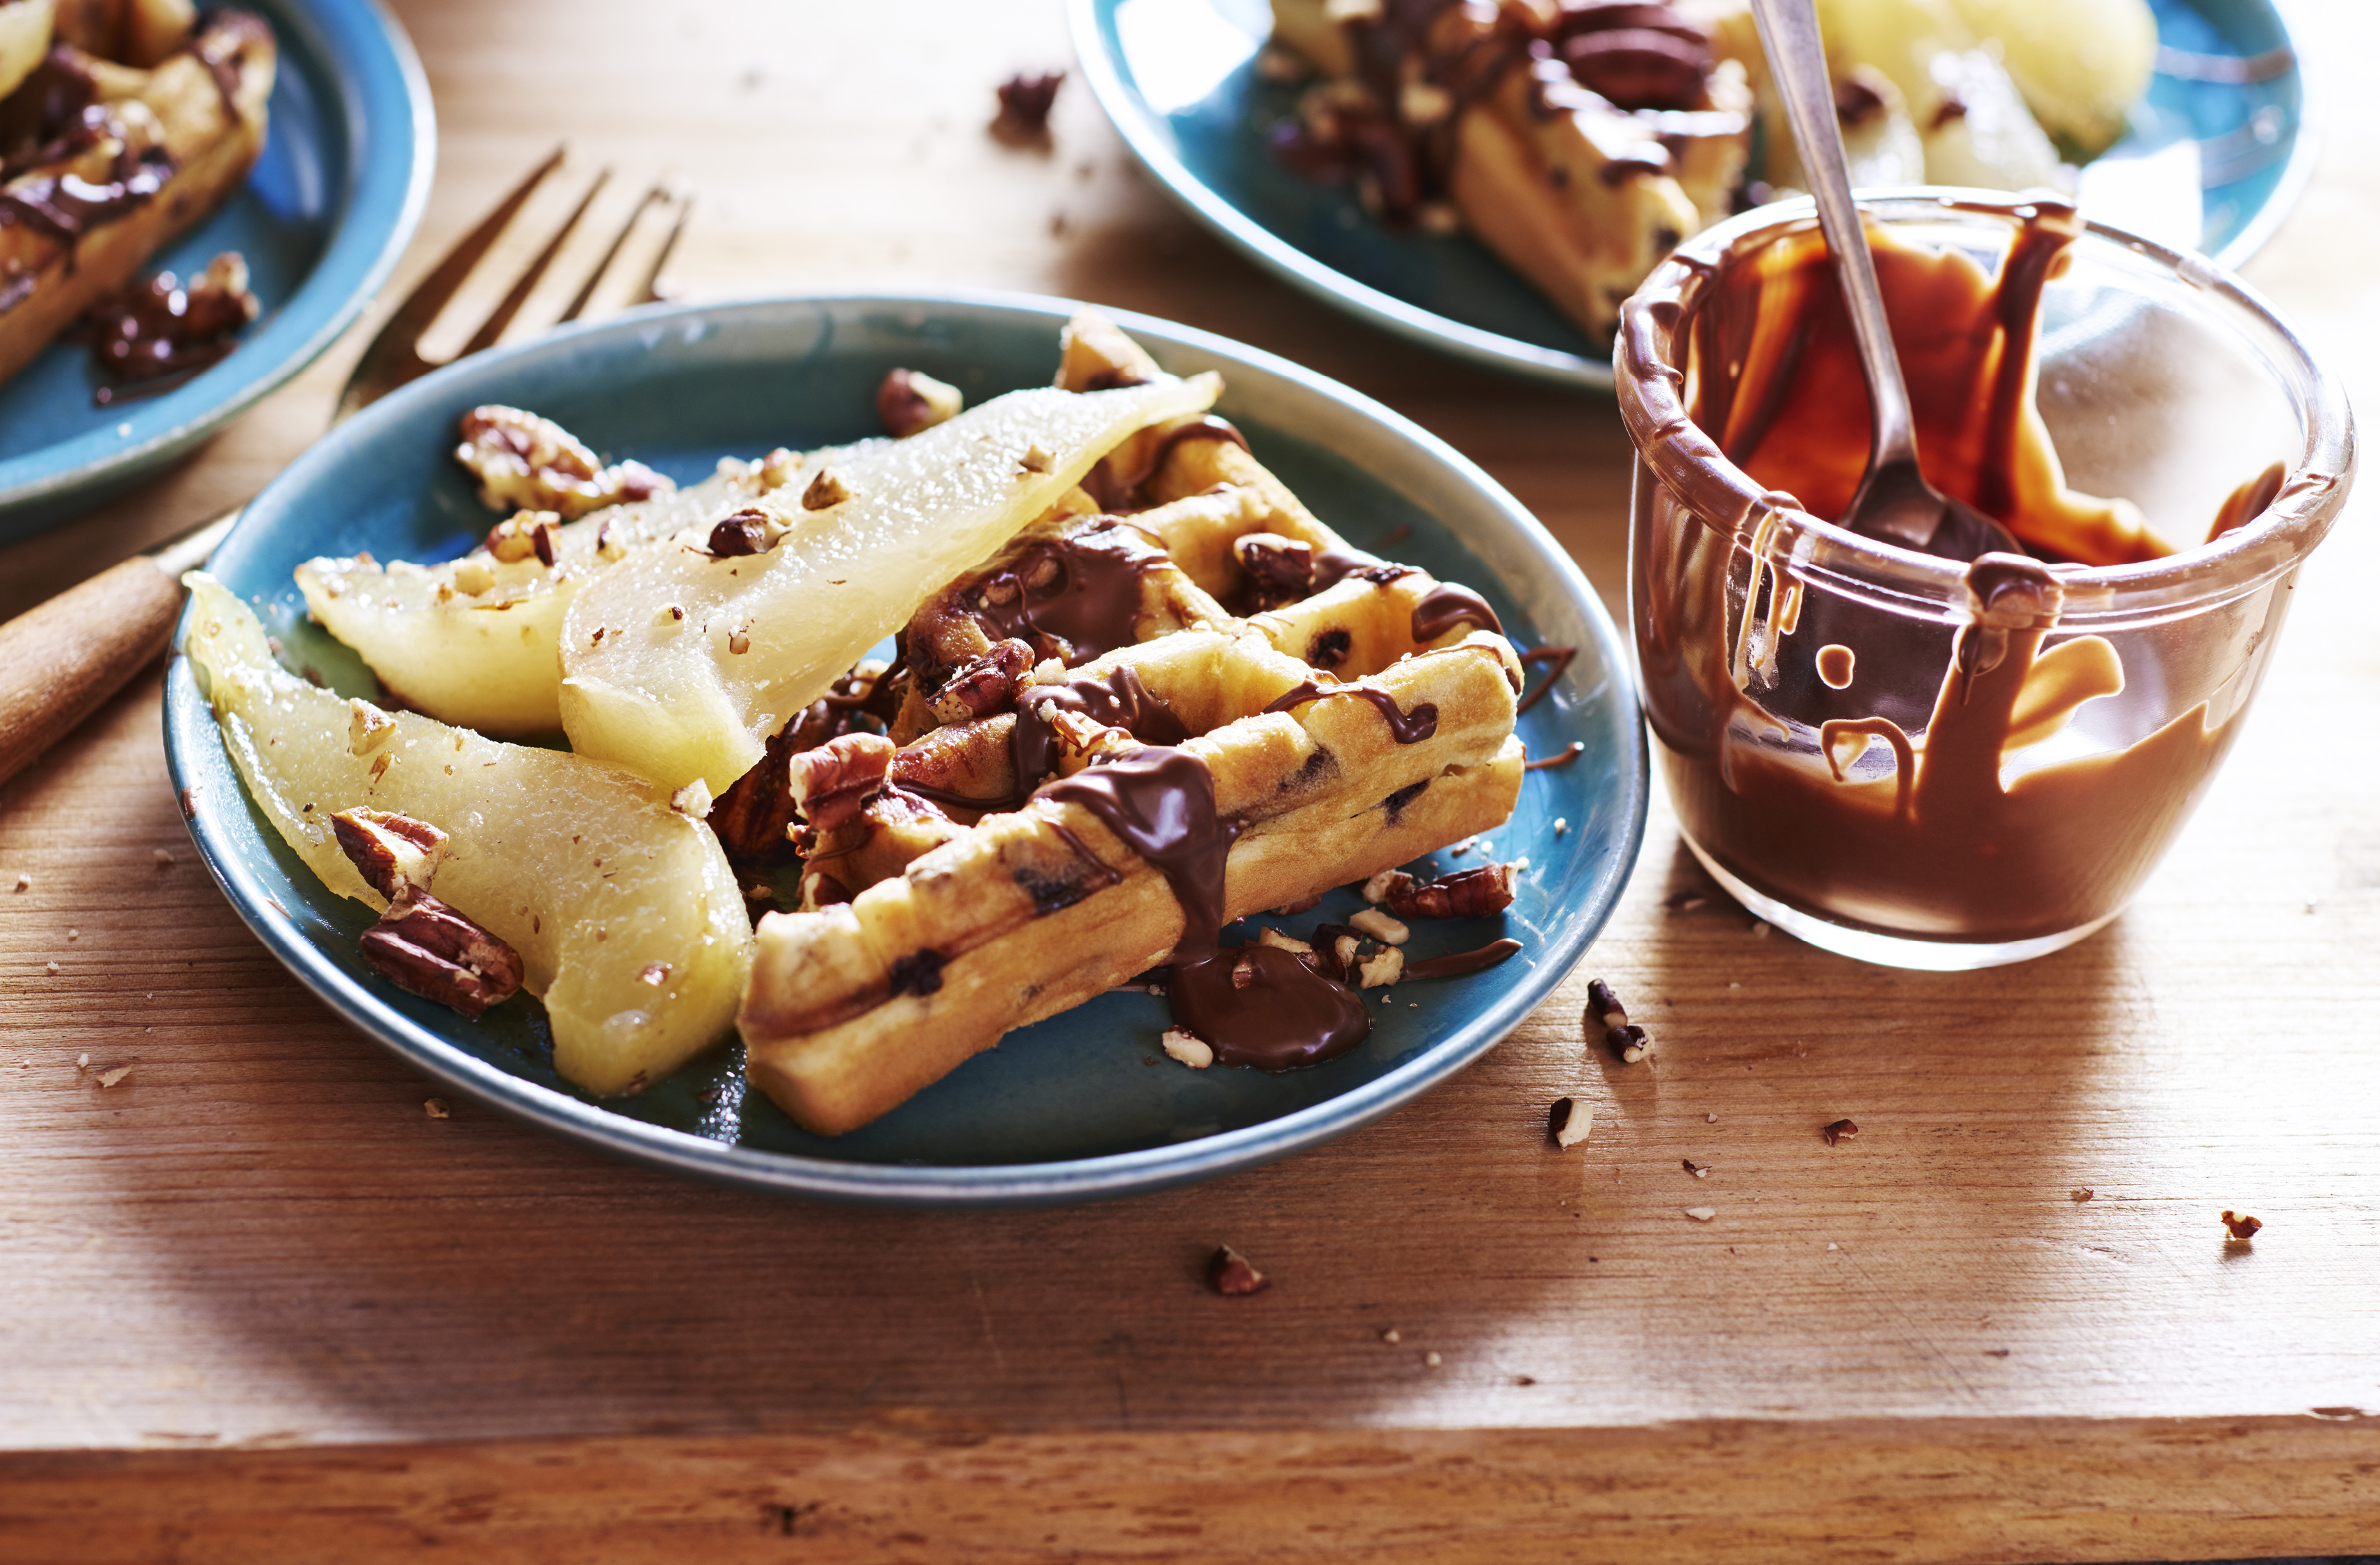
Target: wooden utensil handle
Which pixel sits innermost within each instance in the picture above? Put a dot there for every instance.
(60, 661)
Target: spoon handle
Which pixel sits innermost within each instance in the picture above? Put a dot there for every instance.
(1797, 62)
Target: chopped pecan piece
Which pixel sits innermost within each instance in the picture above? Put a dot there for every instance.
(391, 852)
(424, 946)
(909, 400)
(833, 783)
(1472, 893)
(1024, 101)
(987, 685)
(534, 464)
(1233, 1275)
(2241, 1225)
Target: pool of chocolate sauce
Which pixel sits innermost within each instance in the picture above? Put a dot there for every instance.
(1879, 770)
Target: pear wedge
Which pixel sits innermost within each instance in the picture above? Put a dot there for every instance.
(624, 912)
(477, 642)
(680, 665)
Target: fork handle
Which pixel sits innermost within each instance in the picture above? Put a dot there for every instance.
(60, 661)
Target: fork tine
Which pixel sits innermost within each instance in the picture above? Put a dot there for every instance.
(646, 293)
(587, 290)
(494, 326)
(394, 356)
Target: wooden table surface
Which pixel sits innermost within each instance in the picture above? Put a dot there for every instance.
(254, 1303)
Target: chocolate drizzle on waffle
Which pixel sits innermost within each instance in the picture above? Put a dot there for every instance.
(1253, 1004)
(1405, 728)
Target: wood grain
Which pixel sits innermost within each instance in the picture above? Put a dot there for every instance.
(253, 1298)
(60, 661)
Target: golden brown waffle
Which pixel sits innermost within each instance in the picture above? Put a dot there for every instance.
(111, 161)
(946, 902)
(1580, 142)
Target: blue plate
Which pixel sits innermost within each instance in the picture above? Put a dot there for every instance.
(1083, 1105)
(1178, 78)
(322, 219)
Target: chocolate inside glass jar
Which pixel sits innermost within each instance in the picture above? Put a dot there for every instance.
(1987, 755)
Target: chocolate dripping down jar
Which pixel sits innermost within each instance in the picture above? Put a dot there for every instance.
(1940, 764)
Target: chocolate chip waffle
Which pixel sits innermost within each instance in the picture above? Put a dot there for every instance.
(1176, 699)
(1580, 142)
(100, 163)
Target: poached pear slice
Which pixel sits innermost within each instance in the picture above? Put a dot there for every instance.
(477, 642)
(624, 912)
(680, 665)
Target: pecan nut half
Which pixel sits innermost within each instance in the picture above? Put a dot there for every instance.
(1472, 893)
(833, 783)
(423, 946)
(1639, 68)
(391, 852)
(986, 685)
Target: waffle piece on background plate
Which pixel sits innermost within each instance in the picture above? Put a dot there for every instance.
(104, 163)
(1579, 141)
(1104, 763)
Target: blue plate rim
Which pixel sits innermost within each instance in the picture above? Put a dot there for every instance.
(188, 720)
(1122, 107)
(391, 166)
(1127, 113)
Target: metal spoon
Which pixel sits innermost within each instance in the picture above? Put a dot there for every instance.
(1893, 503)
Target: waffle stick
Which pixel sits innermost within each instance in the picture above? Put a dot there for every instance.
(180, 137)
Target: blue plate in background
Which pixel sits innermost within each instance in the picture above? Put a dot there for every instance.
(322, 219)
(1178, 78)
(1081, 1106)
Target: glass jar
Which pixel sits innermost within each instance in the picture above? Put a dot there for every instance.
(1931, 763)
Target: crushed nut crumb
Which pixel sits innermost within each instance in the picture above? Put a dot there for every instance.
(1189, 1047)
(693, 800)
(189, 796)
(1702, 1214)
(1603, 1006)
(2241, 1227)
(739, 640)
(1037, 459)
(114, 1074)
(1391, 1336)
(1233, 1275)
(164, 856)
(1381, 926)
(1630, 1043)
(2082, 1192)
(53, 969)
(1376, 890)
(1759, 926)
(1432, 1359)
(24, 882)
(1568, 1122)
(1839, 1131)
(827, 488)
(436, 1108)
(1700, 1170)
(1685, 902)
(82, 1061)
(1561, 824)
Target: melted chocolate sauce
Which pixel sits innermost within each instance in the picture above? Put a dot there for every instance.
(1116, 490)
(52, 114)
(1120, 700)
(1460, 964)
(1335, 565)
(1253, 1004)
(1447, 605)
(160, 330)
(65, 206)
(1088, 596)
(1405, 728)
(1557, 659)
(1561, 757)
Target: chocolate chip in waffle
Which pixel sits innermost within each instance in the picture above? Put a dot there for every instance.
(1176, 699)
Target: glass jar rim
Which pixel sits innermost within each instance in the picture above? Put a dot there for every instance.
(1649, 385)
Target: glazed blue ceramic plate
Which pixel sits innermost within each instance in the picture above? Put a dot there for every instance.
(1083, 1105)
(1178, 78)
(321, 218)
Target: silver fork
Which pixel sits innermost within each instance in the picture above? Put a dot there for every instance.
(60, 660)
